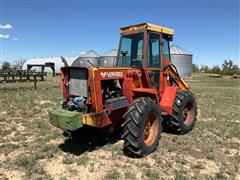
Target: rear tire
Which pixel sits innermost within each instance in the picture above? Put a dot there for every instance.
(184, 113)
(142, 127)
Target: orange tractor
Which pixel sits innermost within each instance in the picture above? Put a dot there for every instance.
(139, 94)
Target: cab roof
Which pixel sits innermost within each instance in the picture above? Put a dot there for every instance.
(147, 26)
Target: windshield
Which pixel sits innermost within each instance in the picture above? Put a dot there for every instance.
(132, 45)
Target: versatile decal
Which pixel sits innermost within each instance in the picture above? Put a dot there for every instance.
(111, 74)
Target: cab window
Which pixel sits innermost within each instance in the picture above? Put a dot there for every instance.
(165, 50)
(132, 45)
(154, 50)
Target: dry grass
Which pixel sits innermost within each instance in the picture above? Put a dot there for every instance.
(30, 148)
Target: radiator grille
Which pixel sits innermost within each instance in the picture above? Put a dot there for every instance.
(78, 83)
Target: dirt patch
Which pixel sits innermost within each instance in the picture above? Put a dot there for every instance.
(238, 174)
(235, 140)
(44, 111)
(56, 141)
(2, 157)
(208, 119)
(20, 127)
(12, 174)
(205, 167)
(41, 102)
(54, 166)
(231, 152)
(3, 113)
(191, 80)
(14, 154)
(210, 167)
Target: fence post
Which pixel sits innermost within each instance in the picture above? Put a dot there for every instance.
(35, 81)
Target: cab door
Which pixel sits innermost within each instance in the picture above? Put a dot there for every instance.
(165, 50)
(153, 61)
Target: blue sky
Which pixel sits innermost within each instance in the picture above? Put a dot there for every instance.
(31, 28)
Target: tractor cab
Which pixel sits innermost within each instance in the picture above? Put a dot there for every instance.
(144, 46)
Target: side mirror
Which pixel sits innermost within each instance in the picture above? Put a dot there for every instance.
(136, 63)
(124, 53)
(170, 38)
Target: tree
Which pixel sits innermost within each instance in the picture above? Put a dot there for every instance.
(195, 68)
(216, 70)
(235, 69)
(19, 62)
(14, 67)
(228, 68)
(205, 69)
(6, 66)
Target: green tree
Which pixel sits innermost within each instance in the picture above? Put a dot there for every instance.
(205, 69)
(14, 67)
(228, 68)
(235, 69)
(6, 66)
(216, 70)
(195, 68)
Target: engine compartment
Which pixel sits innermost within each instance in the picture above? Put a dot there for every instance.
(111, 89)
(79, 96)
(77, 103)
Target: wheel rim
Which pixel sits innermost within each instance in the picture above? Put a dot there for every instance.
(188, 114)
(151, 129)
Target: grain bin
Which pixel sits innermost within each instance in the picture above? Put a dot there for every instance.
(108, 59)
(88, 59)
(182, 60)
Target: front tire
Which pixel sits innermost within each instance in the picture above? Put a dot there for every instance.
(142, 127)
(184, 113)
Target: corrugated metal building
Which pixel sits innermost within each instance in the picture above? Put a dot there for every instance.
(182, 59)
(85, 59)
(42, 60)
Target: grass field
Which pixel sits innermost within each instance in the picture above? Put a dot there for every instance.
(30, 148)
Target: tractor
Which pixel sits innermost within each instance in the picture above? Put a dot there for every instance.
(140, 95)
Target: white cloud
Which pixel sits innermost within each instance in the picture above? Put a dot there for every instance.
(6, 26)
(15, 39)
(2, 36)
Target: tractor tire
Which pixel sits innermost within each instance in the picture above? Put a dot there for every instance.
(142, 127)
(184, 113)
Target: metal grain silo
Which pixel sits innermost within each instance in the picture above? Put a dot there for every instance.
(182, 60)
(88, 59)
(108, 59)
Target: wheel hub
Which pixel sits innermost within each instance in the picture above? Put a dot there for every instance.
(185, 113)
(151, 129)
(147, 129)
(188, 114)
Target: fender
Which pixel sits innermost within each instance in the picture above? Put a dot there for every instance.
(168, 99)
(147, 92)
